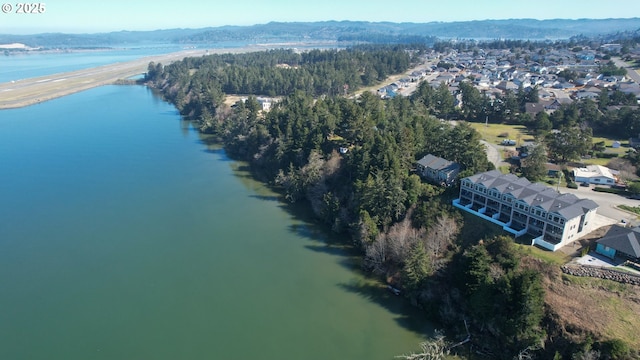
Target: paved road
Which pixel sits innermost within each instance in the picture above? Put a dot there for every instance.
(608, 203)
(633, 74)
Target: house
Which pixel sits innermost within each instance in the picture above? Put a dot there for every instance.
(594, 174)
(620, 241)
(634, 142)
(553, 170)
(521, 207)
(438, 170)
(266, 103)
(533, 108)
(507, 85)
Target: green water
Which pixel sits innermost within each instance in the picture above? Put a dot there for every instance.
(123, 235)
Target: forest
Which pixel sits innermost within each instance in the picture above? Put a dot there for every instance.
(352, 159)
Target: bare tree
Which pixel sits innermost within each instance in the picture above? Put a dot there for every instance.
(526, 354)
(401, 237)
(376, 254)
(624, 166)
(435, 349)
(442, 235)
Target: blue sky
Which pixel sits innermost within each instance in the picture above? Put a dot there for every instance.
(82, 16)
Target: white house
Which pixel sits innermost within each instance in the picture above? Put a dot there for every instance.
(520, 207)
(594, 174)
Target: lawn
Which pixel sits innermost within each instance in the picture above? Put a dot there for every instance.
(495, 133)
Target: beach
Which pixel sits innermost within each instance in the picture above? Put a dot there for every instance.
(25, 92)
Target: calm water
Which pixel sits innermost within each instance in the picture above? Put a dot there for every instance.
(33, 64)
(124, 236)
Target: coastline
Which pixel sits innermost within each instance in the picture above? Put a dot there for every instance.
(26, 92)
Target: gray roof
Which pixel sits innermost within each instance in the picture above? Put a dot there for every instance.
(440, 164)
(624, 240)
(567, 205)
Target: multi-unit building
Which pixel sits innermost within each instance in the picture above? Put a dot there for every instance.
(521, 207)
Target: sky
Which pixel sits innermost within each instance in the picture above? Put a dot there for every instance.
(90, 16)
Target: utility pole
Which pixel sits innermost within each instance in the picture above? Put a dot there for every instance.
(559, 179)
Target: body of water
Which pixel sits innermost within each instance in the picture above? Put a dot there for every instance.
(124, 235)
(23, 65)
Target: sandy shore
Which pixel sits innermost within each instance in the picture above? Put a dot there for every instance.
(31, 91)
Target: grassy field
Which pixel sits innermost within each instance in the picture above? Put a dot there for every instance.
(606, 308)
(495, 133)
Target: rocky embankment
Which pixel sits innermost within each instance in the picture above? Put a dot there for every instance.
(597, 272)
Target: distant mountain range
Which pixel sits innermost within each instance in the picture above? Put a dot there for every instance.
(351, 31)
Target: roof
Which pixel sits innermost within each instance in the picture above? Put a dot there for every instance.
(624, 240)
(568, 206)
(592, 171)
(436, 163)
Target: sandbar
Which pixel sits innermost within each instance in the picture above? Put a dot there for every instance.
(31, 91)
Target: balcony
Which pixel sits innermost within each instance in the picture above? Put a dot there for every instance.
(540, 241)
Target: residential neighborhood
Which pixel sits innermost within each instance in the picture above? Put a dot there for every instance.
(560, 77)
(495, 71)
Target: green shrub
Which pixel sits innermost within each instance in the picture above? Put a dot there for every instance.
(604, 155)
(609, 190)
(584, 251)
(616, 349)
(633, 209)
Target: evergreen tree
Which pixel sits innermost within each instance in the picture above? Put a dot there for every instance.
(534, 165)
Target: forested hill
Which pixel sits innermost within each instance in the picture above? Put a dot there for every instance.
(348, 31)
(393, 32)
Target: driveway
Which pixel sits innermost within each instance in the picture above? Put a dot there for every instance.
(607, 203)
(494, 154)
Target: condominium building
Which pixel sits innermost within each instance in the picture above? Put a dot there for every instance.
(521, 207)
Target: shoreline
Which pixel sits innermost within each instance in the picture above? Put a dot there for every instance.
(31, 91)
